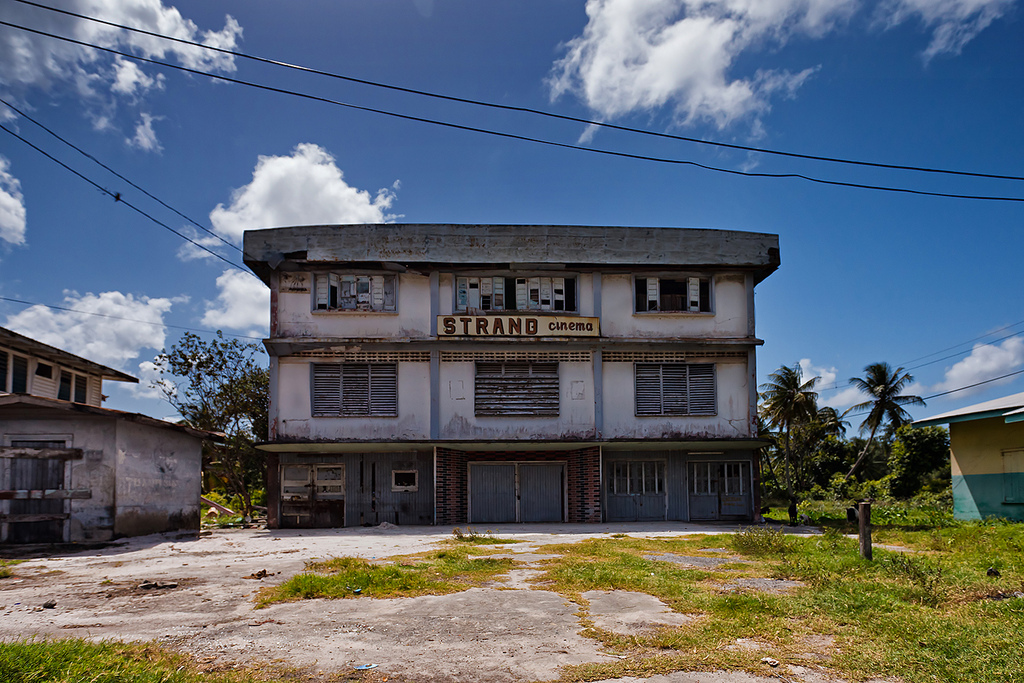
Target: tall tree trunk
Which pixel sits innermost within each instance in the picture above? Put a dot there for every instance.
(863, 454)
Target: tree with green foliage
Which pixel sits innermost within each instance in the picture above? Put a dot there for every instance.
(786, 400)
(884, 385)
(219, 386)
(915, 454)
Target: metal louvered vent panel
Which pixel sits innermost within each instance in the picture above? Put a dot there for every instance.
(367, 356)
(648, 389)
(355, 389)
(516, 356)
(702, 389)
(383, 390)
(666, 356)
(528, 389)
(674, 393)
(326, 389)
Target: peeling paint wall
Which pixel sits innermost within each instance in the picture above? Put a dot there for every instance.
(158, 480)
(729, 319)
(294, 410)
(575, 418)
(732, 420)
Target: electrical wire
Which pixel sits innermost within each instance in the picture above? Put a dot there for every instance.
(527, 110)
(116, 196)
(108, 168)
(131, 320)
(513, 136)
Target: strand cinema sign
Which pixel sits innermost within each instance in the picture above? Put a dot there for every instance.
(516, 326)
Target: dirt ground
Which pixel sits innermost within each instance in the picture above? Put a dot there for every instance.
(192, 594)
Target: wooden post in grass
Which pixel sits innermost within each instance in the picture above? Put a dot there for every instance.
(864, 528)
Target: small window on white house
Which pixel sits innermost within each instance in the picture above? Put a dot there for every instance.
(355, 389)
(339, 292)
(3, 372)
(64, 386)
(81, 389)
(19, 375)
(527, 389)
(687, 294)
(500, 293)
(675, 389)
(405, 480)
(44, 370)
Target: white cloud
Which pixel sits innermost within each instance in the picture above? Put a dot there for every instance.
(129, 79)
(133, 324)
(305, 188)
(12, 206)
(644, 54)
(243, 303)
(828, 379)
(954, 23)
(985, 362)
(145, 136)
(29, 61)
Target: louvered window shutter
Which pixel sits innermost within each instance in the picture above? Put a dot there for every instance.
(528, 389)
(326, 389)
(693, 287)
(648, 388)
(675, 398)
(702, 389)
(322, 291)
(355, 389)
(383, 389)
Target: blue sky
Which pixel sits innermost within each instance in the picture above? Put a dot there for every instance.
(930, 283)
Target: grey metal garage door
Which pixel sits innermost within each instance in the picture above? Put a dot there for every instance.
(516, 492)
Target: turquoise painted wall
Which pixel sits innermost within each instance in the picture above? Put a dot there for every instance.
(976, 496)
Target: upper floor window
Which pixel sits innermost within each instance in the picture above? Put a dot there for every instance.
(337, 292)
(686, 294)
(500, 293)
(354, 389)
(675, 389)
(528, 389)
(72, 384)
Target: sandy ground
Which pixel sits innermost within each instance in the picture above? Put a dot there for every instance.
(200, 601)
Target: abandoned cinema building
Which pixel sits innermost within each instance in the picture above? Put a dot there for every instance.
(447, 374)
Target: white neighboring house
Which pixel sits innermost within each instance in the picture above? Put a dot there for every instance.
(510, 373)
(73, 471)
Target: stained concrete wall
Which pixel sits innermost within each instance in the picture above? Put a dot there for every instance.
(293, 410)
(92, 519)
(731, 421)
(575, 418)
(297, 319)
(158, 480)
(727, 319)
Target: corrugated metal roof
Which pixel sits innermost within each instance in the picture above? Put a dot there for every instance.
(1006, 406)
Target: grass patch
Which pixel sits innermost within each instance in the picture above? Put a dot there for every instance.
(932, 613)
(78, 661)
(5, 568)
(473, 537)
(439, 572)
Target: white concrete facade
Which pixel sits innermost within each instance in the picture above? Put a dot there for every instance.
(441, 347)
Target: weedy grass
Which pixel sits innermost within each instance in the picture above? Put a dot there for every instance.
(73, 660)
(449, 570)
(928, 613)
(5, 568)
(473, 537)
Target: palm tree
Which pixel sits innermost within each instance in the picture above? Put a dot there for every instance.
(883, 385)
(788, 399)
(833, 422)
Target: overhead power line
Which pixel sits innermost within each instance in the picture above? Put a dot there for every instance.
(116, 196)
(108, 168)
(131, 320)
(514, 136)
(527, 110)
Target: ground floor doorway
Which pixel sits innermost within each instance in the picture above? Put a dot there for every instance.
(635, 491)
(516, 492)
(720, 490)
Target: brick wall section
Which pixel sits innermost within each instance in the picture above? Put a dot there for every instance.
(582, 471)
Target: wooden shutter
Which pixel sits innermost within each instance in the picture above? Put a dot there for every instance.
(355, 389)
(326, 389)
(322, 291)
(702, 389)
(693, 288)
(3, 371)
(647, 380)
(383, 389)
(675, 396)
(529, 389)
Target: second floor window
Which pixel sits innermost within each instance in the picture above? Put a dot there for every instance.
(354, 389)
(338, 292)
(685, 294)
(675, 389)
(499, 293)
(527, 389)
